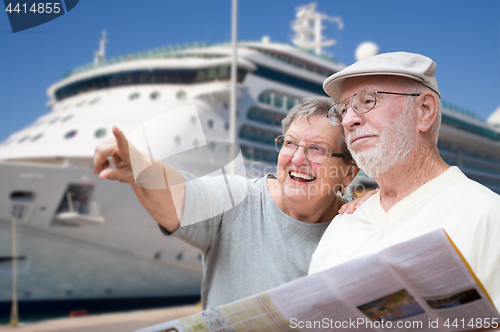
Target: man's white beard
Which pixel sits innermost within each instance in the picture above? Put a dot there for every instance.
(395, 142)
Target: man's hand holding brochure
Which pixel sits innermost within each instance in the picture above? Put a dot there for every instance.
(419, 285)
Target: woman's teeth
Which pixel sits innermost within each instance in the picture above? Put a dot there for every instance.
(302, 176)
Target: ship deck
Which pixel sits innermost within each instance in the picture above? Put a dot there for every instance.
(115, 322)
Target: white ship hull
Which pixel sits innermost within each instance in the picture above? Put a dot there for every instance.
(124, 256)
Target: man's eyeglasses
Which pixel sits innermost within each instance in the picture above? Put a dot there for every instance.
(315, 153)
(362, 102)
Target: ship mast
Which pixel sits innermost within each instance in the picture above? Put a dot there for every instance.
(100, 55)
(234, 74)
(308, 28)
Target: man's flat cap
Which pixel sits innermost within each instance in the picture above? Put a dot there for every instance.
(415, 66)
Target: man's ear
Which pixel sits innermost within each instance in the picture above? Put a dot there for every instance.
(427, 111)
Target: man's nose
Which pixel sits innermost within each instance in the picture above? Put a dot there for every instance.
(352, 118)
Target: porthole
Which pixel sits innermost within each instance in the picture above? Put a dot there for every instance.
(36, 137)
(210, 123)
(155, 95)
(80, 103)
(134, 96)
(93, 101)
(180, 255)
(70, 134)
(53, 120)
(66, 118)
(99, 133)
(181, 95)
(226, 126)
(23, 139)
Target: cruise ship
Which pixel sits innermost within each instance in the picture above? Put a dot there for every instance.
(82, 242)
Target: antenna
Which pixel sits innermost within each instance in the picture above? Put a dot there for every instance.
(99, 56)
(308, 28)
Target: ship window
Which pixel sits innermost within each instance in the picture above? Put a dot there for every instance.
(285, 102)
(265, 116)
(177, 140)
(101, 132)
(193, 120)
(258, 135)
(23, 139)
(155, 76)
(36, 137)
(134, 96)
(93, 101)
(67, 118)
(226, 126)
(196, 142)
(278, 99)
(201, 76)
(7, 265)
(210, 123)
(211, 73)
(255, 154)
(294, 81)
(224, 72)
(180, 255)
(181, 95)
(70, 134)
(22, 196)
(53, 120)
(155, 95)
(80, 103)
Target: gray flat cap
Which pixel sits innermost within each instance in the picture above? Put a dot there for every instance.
(414, 66)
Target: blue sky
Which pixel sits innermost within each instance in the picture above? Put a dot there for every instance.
(463, 37)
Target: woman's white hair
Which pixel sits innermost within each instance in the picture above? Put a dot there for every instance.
(315, 106)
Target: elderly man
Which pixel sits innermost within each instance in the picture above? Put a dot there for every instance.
(390, 110)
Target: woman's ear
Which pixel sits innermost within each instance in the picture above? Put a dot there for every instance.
(352, 171)
(427, 111)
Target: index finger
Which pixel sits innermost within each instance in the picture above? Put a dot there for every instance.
(121, 140)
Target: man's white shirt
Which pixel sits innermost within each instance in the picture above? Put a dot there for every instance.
(468, 212)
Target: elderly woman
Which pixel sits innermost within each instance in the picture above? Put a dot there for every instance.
(270, 238)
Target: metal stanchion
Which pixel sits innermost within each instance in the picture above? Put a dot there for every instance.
(14, 314)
